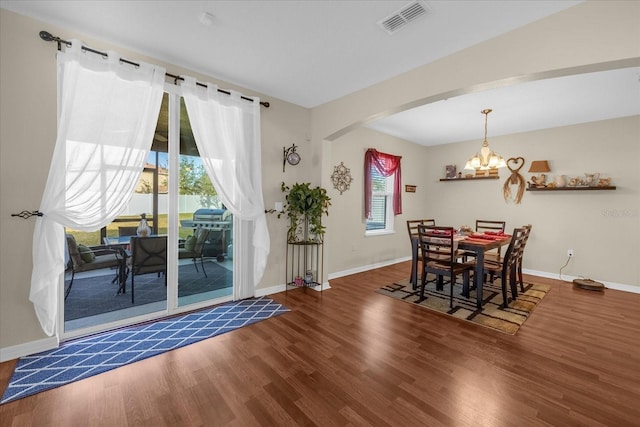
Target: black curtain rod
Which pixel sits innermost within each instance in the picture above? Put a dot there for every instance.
(47, 36)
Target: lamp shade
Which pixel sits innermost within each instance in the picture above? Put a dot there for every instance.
(538, 166)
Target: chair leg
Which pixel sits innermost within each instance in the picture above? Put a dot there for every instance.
(423, 285)
(505, 302)
(202, 264)
(520, 278)
(66, 293)
(453, 281)
(195, 265)
(513, 283)
(465, 284)
(132, 284)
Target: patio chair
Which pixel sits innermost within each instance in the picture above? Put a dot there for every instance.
(82, 258)
(148, 255)
(193, 248)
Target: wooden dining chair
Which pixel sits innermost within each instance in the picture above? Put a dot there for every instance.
(491, 226)
(524, 244)
(487, 225)
(507, 269)
(412, 226)
(483, 225)
(439, 257)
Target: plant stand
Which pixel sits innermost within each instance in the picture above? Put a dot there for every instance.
(304, 265)
(304, 260)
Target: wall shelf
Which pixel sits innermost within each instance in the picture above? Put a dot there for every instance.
(610, 187)
(470, 179)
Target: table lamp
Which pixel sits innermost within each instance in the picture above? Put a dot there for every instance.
(539, 167)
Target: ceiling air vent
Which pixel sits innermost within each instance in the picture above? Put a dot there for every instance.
(402, 17)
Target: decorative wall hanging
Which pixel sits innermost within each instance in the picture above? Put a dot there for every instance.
(514, 179)
(410, 188)
(341, 178)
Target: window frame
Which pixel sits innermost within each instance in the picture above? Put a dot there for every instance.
(388, 194)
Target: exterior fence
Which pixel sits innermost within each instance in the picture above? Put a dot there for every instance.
(143, 203)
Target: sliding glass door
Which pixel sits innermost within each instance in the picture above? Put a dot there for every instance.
(205, 229)
(177, 200)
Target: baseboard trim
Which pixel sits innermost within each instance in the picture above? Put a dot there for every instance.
(32, 347)
(367, 267)
(263, 292)
(611, 285)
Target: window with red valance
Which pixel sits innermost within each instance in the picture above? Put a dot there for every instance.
(382, 195)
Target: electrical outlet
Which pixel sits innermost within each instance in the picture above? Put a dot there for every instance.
(570, 253)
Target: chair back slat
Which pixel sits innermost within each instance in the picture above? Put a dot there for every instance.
(515, 249)
(412, 225)
(437, 246)
(526, 231)
(148, 254)
(489, 225)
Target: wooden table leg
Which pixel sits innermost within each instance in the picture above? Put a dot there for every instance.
(478, 277)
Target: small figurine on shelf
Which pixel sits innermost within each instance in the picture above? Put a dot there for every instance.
(604, 182)
(450, 171)
(540, 180)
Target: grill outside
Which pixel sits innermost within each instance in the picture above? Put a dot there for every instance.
(219, 230)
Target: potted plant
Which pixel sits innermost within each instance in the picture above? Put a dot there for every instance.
(304, 207)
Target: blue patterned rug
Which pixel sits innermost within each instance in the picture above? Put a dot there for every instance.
(83, 358)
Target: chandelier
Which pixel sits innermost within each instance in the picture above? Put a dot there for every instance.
(486, 159)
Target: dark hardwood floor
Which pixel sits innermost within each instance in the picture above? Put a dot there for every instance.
(350, 356)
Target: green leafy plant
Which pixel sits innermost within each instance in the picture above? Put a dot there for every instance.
(304, 207)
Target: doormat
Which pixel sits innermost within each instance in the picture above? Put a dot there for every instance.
(89, 356)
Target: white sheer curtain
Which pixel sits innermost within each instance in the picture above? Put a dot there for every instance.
(227, 132)
(107, 114)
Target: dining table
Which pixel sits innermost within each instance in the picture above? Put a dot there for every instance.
(478, 243)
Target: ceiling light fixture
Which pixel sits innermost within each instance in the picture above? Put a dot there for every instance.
(486, 159)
